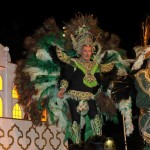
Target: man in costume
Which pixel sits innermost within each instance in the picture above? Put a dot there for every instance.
(142, 84)
(141, 69)
(81, 80)
(79, 75)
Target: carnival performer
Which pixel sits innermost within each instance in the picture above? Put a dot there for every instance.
(141, 70)
(142, 84)
(64, 75)
(81, 80)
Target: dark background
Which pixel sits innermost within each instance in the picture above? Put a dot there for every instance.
(19, 19)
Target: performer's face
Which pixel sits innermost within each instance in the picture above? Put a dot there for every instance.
(86, 52)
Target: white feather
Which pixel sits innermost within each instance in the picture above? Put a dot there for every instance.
(43, 86)
(42, 54)
(34, 72)
(138, 63)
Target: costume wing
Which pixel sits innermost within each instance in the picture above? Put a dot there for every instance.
(37, 78)
(117, 84)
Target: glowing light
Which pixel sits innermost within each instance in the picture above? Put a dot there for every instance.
(44, 115)
(17, 113)
(14, 93)
(1, 83)
(109, 144)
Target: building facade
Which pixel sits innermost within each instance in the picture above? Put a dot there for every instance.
(15, 132)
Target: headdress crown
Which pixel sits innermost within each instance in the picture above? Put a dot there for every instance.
(83, 30)
(82, 37)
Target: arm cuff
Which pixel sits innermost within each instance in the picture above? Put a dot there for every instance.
(64, 84)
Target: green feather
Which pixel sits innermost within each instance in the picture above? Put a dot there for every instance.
(88, 129)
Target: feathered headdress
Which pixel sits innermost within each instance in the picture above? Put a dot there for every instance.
(83, 30)
(43, 36)
(143, 52)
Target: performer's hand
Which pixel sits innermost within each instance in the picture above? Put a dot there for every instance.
(61, 92)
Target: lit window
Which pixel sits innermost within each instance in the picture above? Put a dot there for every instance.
(1, 83)
(17, 113)
(1, 107)
(44, 115)
(14, 93)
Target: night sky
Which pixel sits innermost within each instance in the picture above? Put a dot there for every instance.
(21, 19)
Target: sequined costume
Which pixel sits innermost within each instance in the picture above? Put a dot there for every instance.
(142, 82)
(45, 74)
(81, 80)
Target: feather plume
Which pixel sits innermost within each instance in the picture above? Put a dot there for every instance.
(138, 63)
(43, 55)
(34, 72)
(106, 104)
(49, 27)
(146, 30)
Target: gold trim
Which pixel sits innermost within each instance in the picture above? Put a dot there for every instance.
(146, 137)
(64, 84)
(62, 56)
(144, 134)
(80, 95)
(88, 68)
(75, 133)
(96, 124)
(106, 67)
(147, 77)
